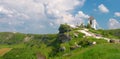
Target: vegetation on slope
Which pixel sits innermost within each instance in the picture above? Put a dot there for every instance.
(67, 44)
(114, 33)
(101, 51)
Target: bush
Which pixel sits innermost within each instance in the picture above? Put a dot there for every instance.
(84, 43)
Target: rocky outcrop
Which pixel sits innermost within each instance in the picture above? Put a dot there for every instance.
(75, 46)
(114, 41)
(64, 37)
(62, 48)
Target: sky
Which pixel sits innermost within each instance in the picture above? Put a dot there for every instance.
(45, 16)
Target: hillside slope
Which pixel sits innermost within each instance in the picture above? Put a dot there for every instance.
(75, 44)
(101, 51)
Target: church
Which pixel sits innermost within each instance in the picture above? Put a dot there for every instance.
(93, 23)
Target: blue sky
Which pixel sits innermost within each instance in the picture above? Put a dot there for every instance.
(102, 18)
(45, 16)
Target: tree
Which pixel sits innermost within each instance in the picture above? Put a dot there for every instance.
(64, 28)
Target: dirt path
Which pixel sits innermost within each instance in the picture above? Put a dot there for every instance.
(4, 51)
(87, 33)
(40, 56)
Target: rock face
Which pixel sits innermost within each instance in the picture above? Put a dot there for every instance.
(62, 48)
(75, 46)
(94, 43)
(114, 41)
(64, 37)
(75, 35)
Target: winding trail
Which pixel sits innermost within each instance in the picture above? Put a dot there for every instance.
(88, 33)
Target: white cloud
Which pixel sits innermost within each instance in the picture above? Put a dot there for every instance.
(11, 13)
(113, 24)
(81, 17)
(3, 10)
(30, 14)
(117, 14)
(103, 8)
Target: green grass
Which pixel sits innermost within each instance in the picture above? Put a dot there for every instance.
(48, 46)
(101, 51)
(114, 33)
(20, 53)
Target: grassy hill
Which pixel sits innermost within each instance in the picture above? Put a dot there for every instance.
(26, 46)
(101, 51)
(58, 46)
(114, 33)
